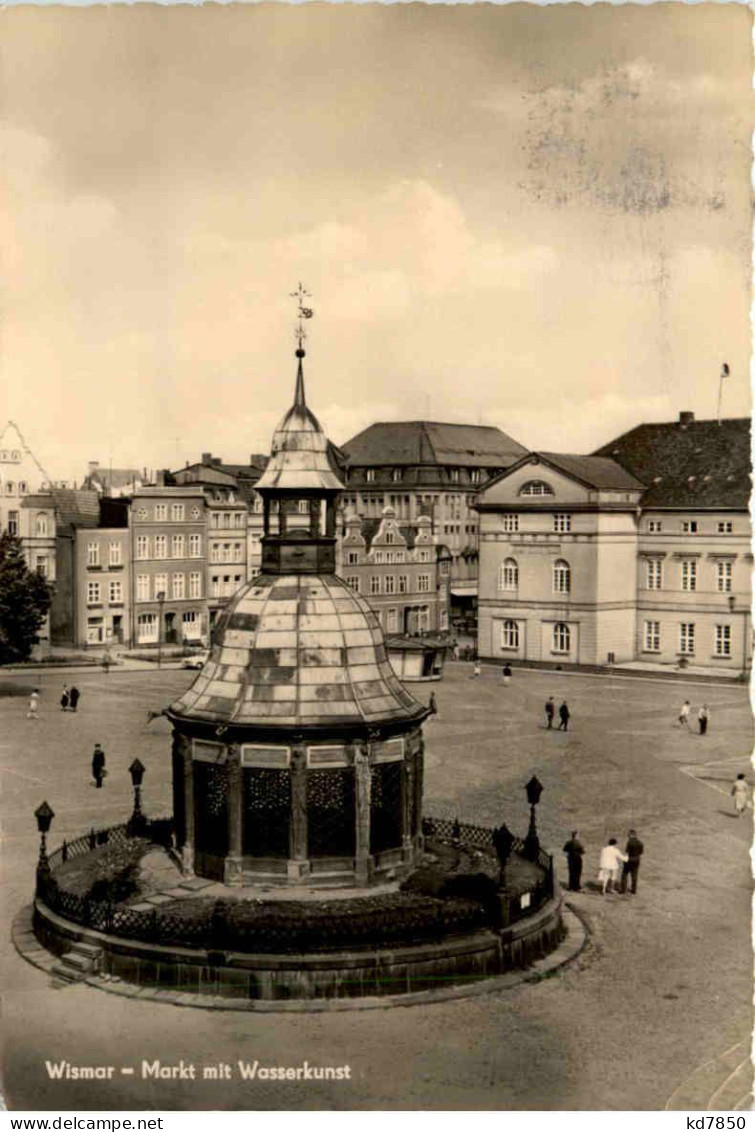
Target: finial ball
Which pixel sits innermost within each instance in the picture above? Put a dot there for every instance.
(301, 353)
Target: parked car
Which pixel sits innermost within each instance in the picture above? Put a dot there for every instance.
(197, 660)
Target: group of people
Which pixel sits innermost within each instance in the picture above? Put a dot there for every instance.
(617, 870)
(703, 717)
(564, 714)
(69, 699)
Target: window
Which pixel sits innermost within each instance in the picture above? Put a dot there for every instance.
(375, 584)
(654, 574)
(9, 487)
(214, 519)
(41, 525)
(195, 512)
(93, 593)
(397, 475)
(561, 522)
(370, 475)
(455, 475)
(510, 522)
(95, 631)
(652, 636)
(476, 476)
(379, 556)
(508, 574)
(403, 584)
(115, 592)
(536, 487)
(215, 585)
(689, 526)
(41, 566)
(195, 584)
(177, 546)
(115, 554)
(655, 526)
(423, 556)
(22, 487)
(391, 621)
(510, 635)
(390, 583)
(177, 512)
(423, 583)
(178, 587)
(561, 577)
(725, 527)
(142, 587)
(561, 637)
(352, 558)
(689, 575)
(161, 512)
(195, 546)
(238, 519)
(161, 546)
(238, 552)
(142, 546)
(141, 513)
(192, 627)
(687, 637)
(390, 538)
(723, 640)
(161, 585)
(146, 627)
(13, 522)
(353, 582)
(93, 554)
(723, 571)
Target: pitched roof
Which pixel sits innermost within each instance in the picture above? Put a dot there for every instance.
(693, 464)
(595, 471)
(75, 508)
(430, 442)
(115, 477)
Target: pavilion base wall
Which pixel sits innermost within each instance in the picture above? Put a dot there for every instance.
(347, 974)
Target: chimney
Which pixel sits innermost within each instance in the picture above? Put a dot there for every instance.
(93, 466)
(686, 418)
(206, 458)
(160, 478)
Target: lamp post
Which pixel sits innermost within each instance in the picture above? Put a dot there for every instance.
(531, 849)
(44, 815)
(137, 821)
(160, 604)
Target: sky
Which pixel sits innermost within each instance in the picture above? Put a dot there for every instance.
(529, 217)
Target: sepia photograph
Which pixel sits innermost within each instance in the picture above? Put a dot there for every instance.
(375, 558)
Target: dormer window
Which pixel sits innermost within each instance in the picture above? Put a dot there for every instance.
(370, 475)
(536, 488)
(397, 475)
(476, 476)
(455, 474)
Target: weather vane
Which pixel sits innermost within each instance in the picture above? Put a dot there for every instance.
(303, 313)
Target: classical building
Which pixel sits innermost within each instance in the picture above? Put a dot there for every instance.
(297, 752)
(426, 468)
(640, 552)
(212, 472)
(400, 569)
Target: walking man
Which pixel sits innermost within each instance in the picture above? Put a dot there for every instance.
(98, 765)
(550, 711)
(610, 859)
(634, 850)
(740, 792)
(684, 715)
(564, 715)
(702, 718)
(33, 712)
(64, 699)
(574, 853)
(506, 674)
(74, 696)
(476, 670)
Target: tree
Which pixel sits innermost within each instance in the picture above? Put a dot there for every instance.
(25, 598)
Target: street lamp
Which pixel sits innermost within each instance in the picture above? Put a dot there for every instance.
(44, 815)
(534, 789)
(137, 821)
(160, 602)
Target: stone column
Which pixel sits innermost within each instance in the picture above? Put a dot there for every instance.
(298, 863)
(233, 863)
(408, 802)
(187, 853)
(363, 791)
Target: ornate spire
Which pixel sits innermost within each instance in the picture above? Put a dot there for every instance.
(303, 313)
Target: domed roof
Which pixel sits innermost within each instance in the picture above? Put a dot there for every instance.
(299, 456)
(297, 650)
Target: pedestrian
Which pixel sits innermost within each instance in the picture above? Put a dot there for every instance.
(702, 719)
(33, 712)
(506, 674)
(550, 711)
(610, 859)
(476, 670)
(64, 699)
(574, 853)
(741, 793)
(433, 704)
(684, 715)
(74, 696)
(564, 715)
(634, 850)
(98, 765)
(106, 662)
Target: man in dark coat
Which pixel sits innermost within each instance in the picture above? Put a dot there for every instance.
(575, 851)
(564, 715)
(74, 696)
(634, 850)
(550, 711)
(98, 765)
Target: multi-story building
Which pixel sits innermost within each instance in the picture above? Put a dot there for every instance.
(103, 585)
(425, 468)
(212, 472)
(26, 507)
(77, 512)
(169, 564)
(399, 569)
(226, 547)
(640, 552)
